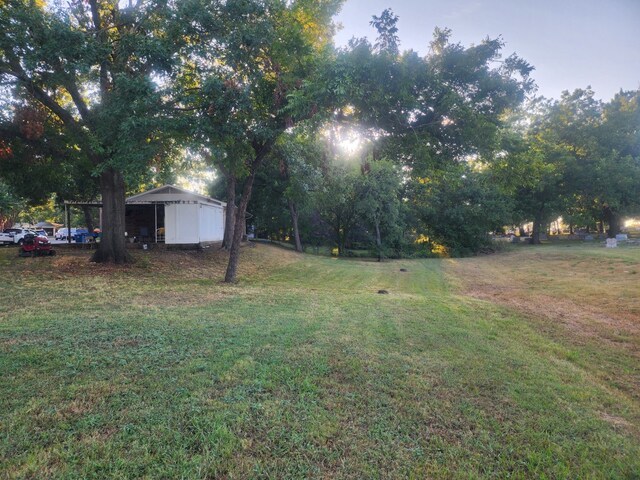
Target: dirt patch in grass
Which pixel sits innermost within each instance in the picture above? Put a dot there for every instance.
(86, 400)
(19, 341)
(98, 436)
(621, 424)
(616, 421)
(583, 321)
(559, 287)
(126, 342)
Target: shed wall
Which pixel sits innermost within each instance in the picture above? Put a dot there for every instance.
(182, 223)
(211, 223)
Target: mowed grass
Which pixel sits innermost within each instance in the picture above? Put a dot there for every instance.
(302, 370)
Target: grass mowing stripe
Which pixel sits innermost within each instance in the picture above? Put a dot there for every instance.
(302, 372)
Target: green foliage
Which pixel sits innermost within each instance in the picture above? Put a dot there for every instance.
(10, 205)
(458, 208)
(533, 171)
(254, 75)
(430, 116)
(336, 204)
(290, 175)
(44, 212)
(388, 40)
(578, 158)
(99, 86)
(101, 74)
(378, 203)
(48, 165)
(616, 159)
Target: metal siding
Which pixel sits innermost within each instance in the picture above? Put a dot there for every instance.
(170, 224)
(211, 223)
(181, 223)
(188, 223)
(193, 223)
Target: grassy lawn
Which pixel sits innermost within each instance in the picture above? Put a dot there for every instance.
(524, 364)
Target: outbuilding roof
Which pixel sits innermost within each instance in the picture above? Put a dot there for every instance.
(163, 194)
(48, 225)
(171, 193)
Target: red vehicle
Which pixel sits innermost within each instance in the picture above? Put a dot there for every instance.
(35, 246)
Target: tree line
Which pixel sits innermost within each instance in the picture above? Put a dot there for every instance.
(102, 98)
(575, 157)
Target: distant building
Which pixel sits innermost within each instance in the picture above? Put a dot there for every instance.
(48, 227)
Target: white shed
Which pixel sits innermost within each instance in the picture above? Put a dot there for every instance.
(175, 216)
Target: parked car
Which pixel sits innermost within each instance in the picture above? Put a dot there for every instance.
(16, 234)
(6, 237)
(63, 233)
(42, 233)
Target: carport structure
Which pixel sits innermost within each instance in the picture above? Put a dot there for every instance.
(170, 215)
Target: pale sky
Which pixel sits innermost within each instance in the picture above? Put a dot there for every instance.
(571, 43)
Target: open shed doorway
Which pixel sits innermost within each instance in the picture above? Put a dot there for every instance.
(145, 222)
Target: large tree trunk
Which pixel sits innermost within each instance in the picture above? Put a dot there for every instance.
(230, 219)
(339, 239)
(238, 231)
(294, 220)
(342, 243)
(112, 247)
(378, 241)
(240, 225)
(88, 220)
(537, 226)
(243, 226)
(613, 220)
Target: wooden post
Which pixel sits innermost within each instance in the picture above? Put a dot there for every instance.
(155, 212)
(68, 217)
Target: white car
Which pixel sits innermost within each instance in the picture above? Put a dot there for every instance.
(62, 234)
(17, 234)
(6, 238)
